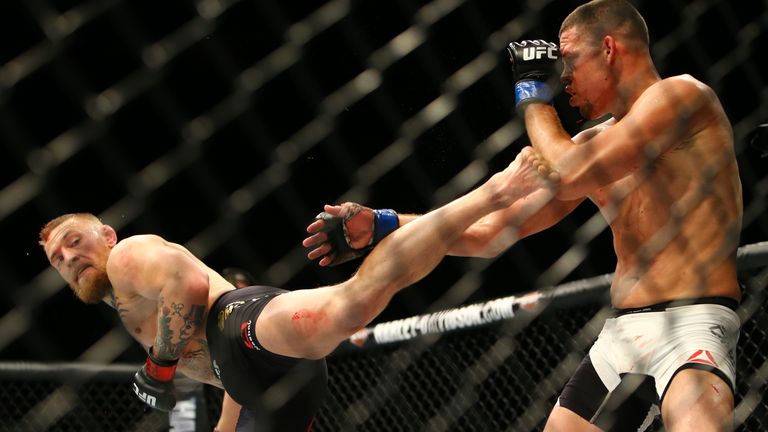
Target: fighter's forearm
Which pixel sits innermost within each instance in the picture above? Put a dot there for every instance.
(572, 162)
(548, 136)
(230, 411)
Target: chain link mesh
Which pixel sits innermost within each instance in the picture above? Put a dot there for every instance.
(213, 121)
(498, 377)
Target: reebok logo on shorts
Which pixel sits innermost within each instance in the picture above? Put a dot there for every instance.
(703, 356)
(246, 334)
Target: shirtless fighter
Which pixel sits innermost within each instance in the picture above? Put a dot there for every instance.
(663, 173)
(263, 345)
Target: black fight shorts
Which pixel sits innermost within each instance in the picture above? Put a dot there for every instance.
(277, 393)
(630, 407)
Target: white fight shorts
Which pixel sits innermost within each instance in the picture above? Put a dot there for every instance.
(652, 344)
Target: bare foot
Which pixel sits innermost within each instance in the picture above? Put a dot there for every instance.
(529, 172)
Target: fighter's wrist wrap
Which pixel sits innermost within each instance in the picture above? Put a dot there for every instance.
(385, 221)
(153, 383)
(532, 91)
(159, 369)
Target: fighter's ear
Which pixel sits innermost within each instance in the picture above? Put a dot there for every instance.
(608, 48)
(110, 236)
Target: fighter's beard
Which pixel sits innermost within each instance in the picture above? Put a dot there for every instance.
(94, 288)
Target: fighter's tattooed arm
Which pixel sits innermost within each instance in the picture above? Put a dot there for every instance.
(168, 279)
(177, 323)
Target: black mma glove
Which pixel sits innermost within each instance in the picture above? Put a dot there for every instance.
(384, 222)
(153, 383)
(535, 64)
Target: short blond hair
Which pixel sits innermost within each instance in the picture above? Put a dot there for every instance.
(45, 231)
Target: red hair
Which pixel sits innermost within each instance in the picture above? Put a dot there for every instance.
(45, 231)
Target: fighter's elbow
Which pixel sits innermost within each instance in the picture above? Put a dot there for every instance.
(570, 192)
(575, 184)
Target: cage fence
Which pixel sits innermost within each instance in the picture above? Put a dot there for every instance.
(213, 121)
(463, 369)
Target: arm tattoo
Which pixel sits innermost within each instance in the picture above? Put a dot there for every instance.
(191, 321)
(169, 342)
(202, 352)
(196, 362)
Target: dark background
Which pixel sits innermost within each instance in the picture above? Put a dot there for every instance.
(194, 149)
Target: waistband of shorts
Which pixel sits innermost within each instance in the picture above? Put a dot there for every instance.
(728, 302)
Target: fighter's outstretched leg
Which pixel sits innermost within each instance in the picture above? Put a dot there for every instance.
(321, 318)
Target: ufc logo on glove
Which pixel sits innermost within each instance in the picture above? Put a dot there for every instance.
(534, 62)
(147, 398)
(537, 49)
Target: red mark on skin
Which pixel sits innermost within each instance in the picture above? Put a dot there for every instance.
(138, 330)
(307, 322)
(714, 387)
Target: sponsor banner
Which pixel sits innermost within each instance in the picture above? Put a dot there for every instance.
(439, 322)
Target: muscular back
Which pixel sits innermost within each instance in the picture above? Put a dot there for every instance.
(676, 222)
